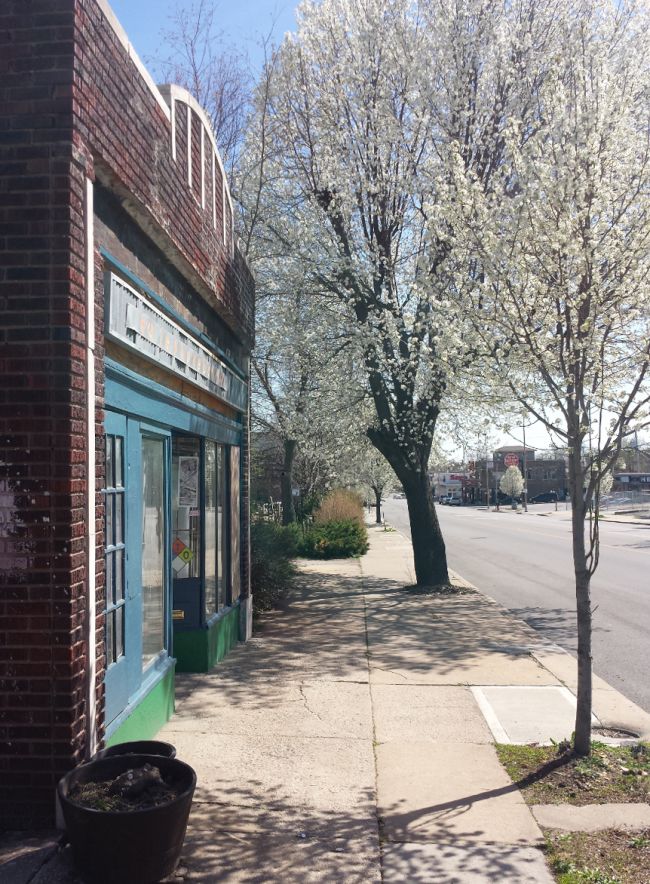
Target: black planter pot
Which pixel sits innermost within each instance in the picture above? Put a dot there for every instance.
(127, 847)
(137, 747)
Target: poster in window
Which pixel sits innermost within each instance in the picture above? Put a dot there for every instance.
(188, 481)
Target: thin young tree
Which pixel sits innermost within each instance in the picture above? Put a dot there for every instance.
(560, 249)
(512, 483)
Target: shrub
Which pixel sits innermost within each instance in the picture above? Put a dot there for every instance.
(335, 540)
(340, 505)
(272, 571)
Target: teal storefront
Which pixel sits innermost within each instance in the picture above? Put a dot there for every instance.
(172, 500)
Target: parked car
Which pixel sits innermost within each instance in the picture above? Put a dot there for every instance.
(545, 497)
(454, 500)
(615, 499)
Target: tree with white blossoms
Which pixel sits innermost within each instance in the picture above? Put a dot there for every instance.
(366, 469)
(559, 248)
(364, 103)
(378, 476)
(512, 482)
(296, 385)
(297, 393)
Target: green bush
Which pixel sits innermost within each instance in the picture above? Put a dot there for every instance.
(335, 540)
(272, 569)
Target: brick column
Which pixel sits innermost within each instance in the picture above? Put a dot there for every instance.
(42, 412)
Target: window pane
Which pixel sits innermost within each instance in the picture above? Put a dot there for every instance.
(109, 580)
(119, 632)
(119, 518)
(210, 497)
(110, 653)
(153, 546)
(186, 519)
(109, 518)
(119, 575)
(119, 463)
(110, 461)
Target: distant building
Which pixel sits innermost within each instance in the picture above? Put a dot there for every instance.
(638, 482)
(449, 483)
(541, 475)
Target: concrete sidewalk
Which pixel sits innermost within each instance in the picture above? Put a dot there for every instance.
(360, 751)
(352, 739)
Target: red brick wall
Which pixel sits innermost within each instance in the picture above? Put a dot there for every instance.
(72, 104)
(42, 411)
(131, 143)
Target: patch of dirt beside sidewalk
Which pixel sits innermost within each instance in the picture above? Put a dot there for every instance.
(608, 857)
(547, 775)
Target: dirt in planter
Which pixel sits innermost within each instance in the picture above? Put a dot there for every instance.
(136, 789)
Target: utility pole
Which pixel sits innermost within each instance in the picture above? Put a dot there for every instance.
(523, 426)
(487, 480)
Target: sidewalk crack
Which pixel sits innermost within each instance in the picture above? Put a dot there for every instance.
(305, 702)
(389, 671)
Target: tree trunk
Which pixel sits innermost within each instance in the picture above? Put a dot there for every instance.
(377, 506)
(583, 607)
(288, 509)
(428, 546)
(430, 557)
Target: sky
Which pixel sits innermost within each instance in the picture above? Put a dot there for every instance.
(242, 21)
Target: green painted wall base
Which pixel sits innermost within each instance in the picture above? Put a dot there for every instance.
(149, 715)
(198, 650)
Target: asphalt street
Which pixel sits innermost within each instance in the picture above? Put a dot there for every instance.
(524, 562)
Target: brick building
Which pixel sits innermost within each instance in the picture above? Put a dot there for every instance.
(542, 474)
(127, 323)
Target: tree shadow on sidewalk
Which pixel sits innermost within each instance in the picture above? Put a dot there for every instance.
(255, 834)
(557, 625)
(335, 625)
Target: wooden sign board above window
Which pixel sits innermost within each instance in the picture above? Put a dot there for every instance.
(138, 325)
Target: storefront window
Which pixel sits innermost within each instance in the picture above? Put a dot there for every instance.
(186, 508)
(222, 523)
(211, 538)
(153, 548)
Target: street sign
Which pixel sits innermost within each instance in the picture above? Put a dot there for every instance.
(511, 460)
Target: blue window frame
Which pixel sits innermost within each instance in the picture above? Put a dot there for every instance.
(137, 579)
(118, 608)
(115, 547)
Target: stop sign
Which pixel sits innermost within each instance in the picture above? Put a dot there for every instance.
(511, 460)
